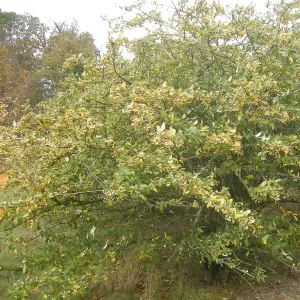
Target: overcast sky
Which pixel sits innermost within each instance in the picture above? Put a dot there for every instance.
(86, 12)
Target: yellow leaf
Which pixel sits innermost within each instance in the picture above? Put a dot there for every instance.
(264, 239)
(116, 153)
(286, 150)
(155, 190)
(75, 288)
(172, 131)
(286, 115)
(259, 226)
(1, 214)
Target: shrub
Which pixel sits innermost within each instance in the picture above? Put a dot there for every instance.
(186, 151)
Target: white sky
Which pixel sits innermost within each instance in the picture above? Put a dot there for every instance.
(86, 12)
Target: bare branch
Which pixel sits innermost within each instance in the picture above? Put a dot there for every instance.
(10, 136)
(120, 76)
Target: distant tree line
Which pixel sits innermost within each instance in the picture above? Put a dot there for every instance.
(31, 57)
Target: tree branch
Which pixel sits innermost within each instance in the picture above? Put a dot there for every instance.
(10, 136)
(120, 76)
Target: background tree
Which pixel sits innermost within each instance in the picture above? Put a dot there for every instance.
(64, 42)
(32, 55)
(22, 38)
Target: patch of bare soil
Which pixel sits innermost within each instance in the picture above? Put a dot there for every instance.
(287, 287)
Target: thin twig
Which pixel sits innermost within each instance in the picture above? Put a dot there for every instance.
(3, 171)
(92, 174)
(79, 193)
(117, 73)
(245, 279)
(10, 136)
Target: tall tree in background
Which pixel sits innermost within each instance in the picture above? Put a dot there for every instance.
(22, 39)
(31, 59)
(64, 42)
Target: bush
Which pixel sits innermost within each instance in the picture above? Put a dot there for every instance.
(186, 151)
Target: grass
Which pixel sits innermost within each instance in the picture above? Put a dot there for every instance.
(6, 259)
(12, 265)
(6, 277)
(286, 289)
(154, 284)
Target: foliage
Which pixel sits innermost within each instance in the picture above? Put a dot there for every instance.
(31, 59)
(185, 153)
(61, 46)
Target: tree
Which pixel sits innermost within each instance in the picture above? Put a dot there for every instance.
(32, 55)
(25, 37)
(22, 38)
(187, 151)
(13, 87)
(64, 42)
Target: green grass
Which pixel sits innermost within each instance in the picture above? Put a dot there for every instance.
(12, 265)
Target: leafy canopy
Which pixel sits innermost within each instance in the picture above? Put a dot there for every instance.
(31, 59)
(190, 147)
